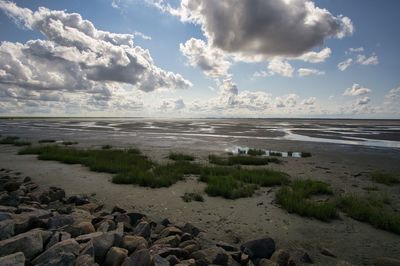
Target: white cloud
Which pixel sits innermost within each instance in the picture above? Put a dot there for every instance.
(142, 35)
(172, 104)
(355, 50)
(76, 57)
(310, 101)
(342, 66)
(316, 57)
(212, 61)
(363, 101)
(371, 60)
(280, 67)
(356, 90)
(303, 72)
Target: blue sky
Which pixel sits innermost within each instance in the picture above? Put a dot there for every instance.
(372, 79)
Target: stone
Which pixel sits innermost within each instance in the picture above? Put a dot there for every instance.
(69, 246)
(214, 255)
(188, 243)
(105, 226)
(191, 248)
(172, 259)
(8, 209)
(135, 217)
(102, 244)
(116, 256)
(385, 261)
(259, 248)
(15, 259)
(57, 237)
(298, 257)
(165, 222)
(167, 251)
(85, 260)
(267, 262)
(9, 199)
(123, 218)
(139, 258)
(191, 229)
(90, 207)
(80, 228)
(118, 209)
(186, 237)
(169, 231)
(63, 259)
(77, 200)
(27, 179)
(226, 246)
(173, 241)
(143, 229)
(12, 186)
(30, 243)
(6, 229)
(133, 243)
(60, 221)
(327, 252)
(160, 261)
(281, 257)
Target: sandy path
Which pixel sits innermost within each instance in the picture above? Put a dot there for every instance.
(225, 220)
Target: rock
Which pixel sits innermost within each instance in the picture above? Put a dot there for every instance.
(266, 262)
(281, 257)
(5, 216)
(143, 229)
(118, 209)
(298, 257)
(30, 243)
(135, 217)
(191, 229)
(80, 228)
(173, 241)
(57, 237)
(327, 252)
(226, 246)
(186, 237)
(8, 209)
(85, 260)
(172, 259)
(188, 243)
(165, 222)
(123, 218)
(12, 186)
(77, 200)
(16, 259)
(214, 255)
(68, 247)
(9, 199)
(160, 261)
(60, 221)
(105, 226)
(168, 251)
(259, 248)
(133, 243)
(384, 261)
(6, 229)
(27, 179)
(116, 256)
(90, 207)
(169, 231)
(139, 258)
(191, 248)
(102, 244)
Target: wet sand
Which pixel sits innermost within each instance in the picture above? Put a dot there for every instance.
(345, 167)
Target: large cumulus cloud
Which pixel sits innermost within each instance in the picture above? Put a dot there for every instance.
(76, 57)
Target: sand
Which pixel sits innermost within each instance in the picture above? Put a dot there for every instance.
(345, 167)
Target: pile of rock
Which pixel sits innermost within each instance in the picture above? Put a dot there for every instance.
(44, 227)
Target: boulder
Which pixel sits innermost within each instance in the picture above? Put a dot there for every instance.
(384, 261)
(15, 259)
(63, 259)
(90, 207)
(169, 231)
(281, 257)
(12, 186)
(139, 258)
(226, 246)
(173, 260)
(191, 229)
(6, 229)
(168, 251)
(299, 256)
(102, 244)
(80, 228)
(173, 241)
(57, 237)
(327, 252)
(68, 247)
(85, 260)
(132, 243)
(118, 209)
(135, 217)
(267, 262)
(214, 255)
(87, 249)
(77, 200)
(60, 221)
(143, 229)
(160, 261)
(9, 199)
(123, 218)
(30, 243)
(116, 256)
(259, 248)
(105, 225)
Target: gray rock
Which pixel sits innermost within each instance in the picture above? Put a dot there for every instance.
(30, 243)
(259, 248)
(143, 229)
(16, 259)
(191, 229)
(226, 246)
(12, 186)
(9, 199)
(80, 228)
(214, 255)
(60, 221)
(384, 261)
(267, 262)
(299, 256)
(118, 209)
(102, 244)
(160, 261)
(172, 259)
(173, 241)
(169, 231)
(178, 252)
(5, 216)
(139, 258)
(85, 260)
(69, 246)
(57, 237)
(135, 217)
(281, 257)
(105, 226)
(63, 259)
(6, 229)
(116, 256)
(87, 249)
(133, 243)
(8, 209)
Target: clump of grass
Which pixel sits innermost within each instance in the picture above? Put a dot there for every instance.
(275, 153)
(192, 196)
(106, 147)
(372, 211)
(68, 143)
(385, 178)
(256, 152)
(295, 198)
(47, 141)
(13, 140)
(175, 156)
(229, 187)
(241, 160)
(305, 154)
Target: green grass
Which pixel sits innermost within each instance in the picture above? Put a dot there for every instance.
(295, 198)
(192, 196)
(12, 140)
(256, 152)
(371, 210)
(68, 143)
(180, 157)
(229, 187)
(385, 178)
(47, 141)
(275, 153)
(241, 160)
(106, 147)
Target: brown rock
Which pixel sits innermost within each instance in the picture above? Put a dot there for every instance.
(16, 259)
(173, 241)
(30, 243)
(69, 246)
(139, 258)
(116, 256)
(281, 257)
(133, 243)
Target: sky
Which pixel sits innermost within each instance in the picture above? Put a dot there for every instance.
(200, 58)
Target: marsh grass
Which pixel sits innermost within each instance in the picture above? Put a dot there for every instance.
(295, 198)
(12, 140)
(192, 196)
(175, 156)
(275, 153)
(385, 178)
(305, 154)
(241, 160)
(256, 152)
(229, 187)
(106, 147)
(371, 210)
(47, 141)
(69, 143)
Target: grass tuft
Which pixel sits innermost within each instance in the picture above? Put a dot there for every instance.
(47, 141)
(229, 187)
(256, 152)
(175, 156)
(296, 199)
(241, 160)
(106, 147)
(385, 178)
(192, 196)
(68, 143)
(12, 140)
